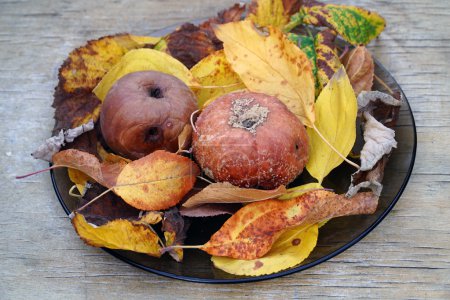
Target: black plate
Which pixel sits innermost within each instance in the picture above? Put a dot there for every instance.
(335, 237)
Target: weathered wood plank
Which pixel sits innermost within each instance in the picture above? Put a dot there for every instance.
(407, 256)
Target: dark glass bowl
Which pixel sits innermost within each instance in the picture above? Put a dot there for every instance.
(335, 237)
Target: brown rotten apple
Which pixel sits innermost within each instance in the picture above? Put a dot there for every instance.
(144, 112)
(250, 140)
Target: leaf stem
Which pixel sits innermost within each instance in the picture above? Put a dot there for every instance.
(95, 199)
(380, 81)
(37, 172)
(334, 149)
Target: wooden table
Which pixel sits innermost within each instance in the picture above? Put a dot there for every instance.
(406, 256)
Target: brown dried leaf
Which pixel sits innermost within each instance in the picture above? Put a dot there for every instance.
(251, 232)
(190, 43)
(184, 138)
(360, 69)
(224, 192)
(110, 207)
(210, 210)
(174, 227)
(385, 108)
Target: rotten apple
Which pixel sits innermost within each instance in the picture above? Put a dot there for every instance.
(250, 140)
(146, 111)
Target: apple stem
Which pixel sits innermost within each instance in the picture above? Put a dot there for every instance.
(37, 172)
(192, 120)
(95, 199)
(334, 149)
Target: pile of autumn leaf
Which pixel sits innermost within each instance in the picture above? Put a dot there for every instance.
(267, 47)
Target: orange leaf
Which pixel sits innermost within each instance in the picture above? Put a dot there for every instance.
(251, 232)
(156, 181)
(225, 192)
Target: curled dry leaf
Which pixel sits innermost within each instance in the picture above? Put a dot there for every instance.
(82, 71)
(336, 110)
(156, 181)
(370, 179)
(190, 43)
(251, 232)
(143, 60)
(118, 234)
(184, 138)
(385, 108)
(174, 227)
(291, 248)
(224, 192)
(269, 63)
(360, 69)
(327, 59)
(54, 144)
(214, 70)
(379, 140)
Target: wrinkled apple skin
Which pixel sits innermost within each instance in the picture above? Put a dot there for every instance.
(146, 111)
(273, 155)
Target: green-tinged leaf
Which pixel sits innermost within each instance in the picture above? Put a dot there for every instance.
(356, 25)
(306, 43)
(327, 58)
(336, 110)
(144, 60)
(290, 249)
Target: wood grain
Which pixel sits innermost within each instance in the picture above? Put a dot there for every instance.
(406, 256)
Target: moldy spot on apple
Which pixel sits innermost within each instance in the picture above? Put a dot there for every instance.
(247, 116)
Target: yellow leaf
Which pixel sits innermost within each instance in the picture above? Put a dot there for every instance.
(290, 249)
(143, 60)
(336, 110)
(118, 234)
(269, 12)
(214, 70)
(269, 63)
(156, 181)
(300, 190)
